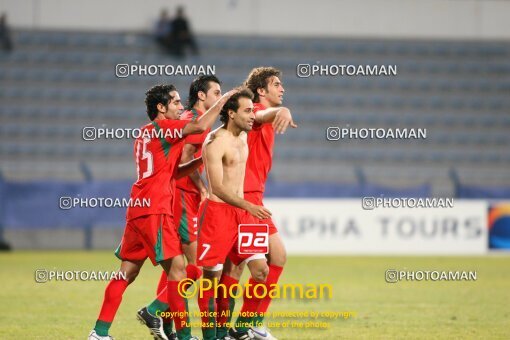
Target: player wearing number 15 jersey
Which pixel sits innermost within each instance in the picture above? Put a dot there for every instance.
(190, 190)
(150, 230)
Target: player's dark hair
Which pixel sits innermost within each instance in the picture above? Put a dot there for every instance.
(159, 94)
(233, 102)
(259, 79)
(199, 84)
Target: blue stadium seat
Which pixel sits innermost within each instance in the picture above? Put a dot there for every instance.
(454, 89)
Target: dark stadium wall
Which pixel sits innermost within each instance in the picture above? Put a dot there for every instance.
(347, 18)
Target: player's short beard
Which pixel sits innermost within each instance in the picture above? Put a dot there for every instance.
(241, 127)
(246, 127)
(172, 115)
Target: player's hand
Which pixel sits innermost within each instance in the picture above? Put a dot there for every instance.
(259, 211)
(203, 195)
(283, 120)
(227, 96)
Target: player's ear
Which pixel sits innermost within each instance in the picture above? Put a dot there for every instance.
(161, 107)
(261, 91)
(231, 113)
(201, 95)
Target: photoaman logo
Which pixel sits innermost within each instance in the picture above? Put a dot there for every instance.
(253, 239)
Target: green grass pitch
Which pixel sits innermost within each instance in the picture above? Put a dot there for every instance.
(404, 310)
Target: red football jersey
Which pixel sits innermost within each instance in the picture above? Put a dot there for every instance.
(260, 157)
(157, 155)
(186, 183)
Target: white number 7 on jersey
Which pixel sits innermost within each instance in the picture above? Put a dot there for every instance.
(207, 247)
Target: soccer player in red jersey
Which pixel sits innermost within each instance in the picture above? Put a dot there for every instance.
(150, 230)
(225, 154)
(204, 91)
(191, 190)
(268, 89)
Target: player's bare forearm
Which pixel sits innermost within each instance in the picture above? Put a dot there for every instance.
(215, 176)
(281, 118)
(187, 168)
(213, 153)
(230, 197)
(197, 180)
(267, 115)
(188, 154)
(207, 120)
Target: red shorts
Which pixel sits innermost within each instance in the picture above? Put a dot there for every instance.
(186, 214)
(153, 236)
(255, 197)
(218, 227)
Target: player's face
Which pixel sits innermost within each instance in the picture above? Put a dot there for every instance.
(212, 95)
(244, 117)
(274, 91)
(174, 106)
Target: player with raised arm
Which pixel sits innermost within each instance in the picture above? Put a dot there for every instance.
(204, 91)
(150, 230)
(268, 91)
(225, 153)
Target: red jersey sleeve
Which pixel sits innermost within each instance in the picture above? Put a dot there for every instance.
(173, 129)
(196, 139)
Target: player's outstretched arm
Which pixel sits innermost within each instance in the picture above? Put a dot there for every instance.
(213, 153)
(280, 117)
(184, 169)
(267, 115)
(208, 118)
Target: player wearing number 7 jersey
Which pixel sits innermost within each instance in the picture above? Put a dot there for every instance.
(225, 152)
(266, 84)
(150, 230)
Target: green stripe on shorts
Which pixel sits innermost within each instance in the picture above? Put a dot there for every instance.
(183, 223)
(158, 247)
